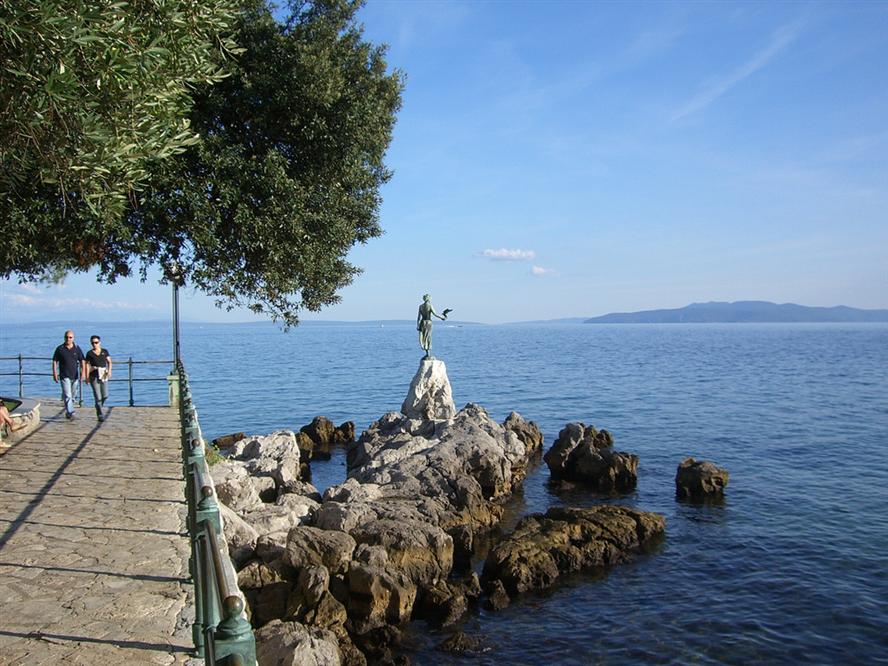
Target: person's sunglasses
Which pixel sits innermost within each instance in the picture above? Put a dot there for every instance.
(69, 337)
(95, 342)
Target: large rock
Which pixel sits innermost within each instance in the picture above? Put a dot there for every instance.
(430, 396)
(700, 479)
(292, 644)
(234, 486)
(239, 535)
(258, 574)
(399, 452)
(585, 454)
(378, 596)
(528, 432)
(275, 455)
(310, 546)
(312, 603)
(422, 551)
(565, 539)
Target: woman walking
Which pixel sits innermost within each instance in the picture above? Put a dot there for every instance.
(98, 361)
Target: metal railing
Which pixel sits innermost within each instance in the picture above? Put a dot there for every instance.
(131, 379)
(221, 632)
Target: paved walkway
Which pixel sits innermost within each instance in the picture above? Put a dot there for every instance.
(93, 559)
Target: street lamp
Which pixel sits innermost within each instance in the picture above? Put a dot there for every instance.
(174, 275)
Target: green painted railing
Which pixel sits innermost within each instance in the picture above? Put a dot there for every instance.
(221, 631)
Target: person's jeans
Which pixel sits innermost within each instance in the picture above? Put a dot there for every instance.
(68, 393)
(100, 393)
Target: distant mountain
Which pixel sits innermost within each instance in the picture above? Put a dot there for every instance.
(742, 311)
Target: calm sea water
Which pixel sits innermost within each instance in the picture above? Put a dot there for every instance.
(791, 568)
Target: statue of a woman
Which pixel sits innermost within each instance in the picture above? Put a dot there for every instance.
(424, 323)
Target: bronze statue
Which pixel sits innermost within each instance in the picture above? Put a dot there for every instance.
(424, 323)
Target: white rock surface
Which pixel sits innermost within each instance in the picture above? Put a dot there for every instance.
(430, 396)
(292, 644)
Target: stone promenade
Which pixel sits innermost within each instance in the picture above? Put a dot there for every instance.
(93, 555)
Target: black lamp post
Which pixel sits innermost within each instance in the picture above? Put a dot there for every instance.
(174, 275)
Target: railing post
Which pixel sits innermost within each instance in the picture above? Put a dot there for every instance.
(234, 641)
(174, 393)
(21, 378)
(200, 602)
(131, 402)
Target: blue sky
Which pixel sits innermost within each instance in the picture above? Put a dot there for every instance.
(562, 159)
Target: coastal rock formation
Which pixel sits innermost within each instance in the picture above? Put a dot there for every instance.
(379, 548)
(697, 479)
(563, 540)
(430, 396)
(318, 437)
(585, 454)
(261, 494)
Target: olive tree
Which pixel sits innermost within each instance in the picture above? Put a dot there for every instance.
(92, 92)
(285, 179)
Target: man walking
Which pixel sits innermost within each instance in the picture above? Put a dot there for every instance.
(68, 365)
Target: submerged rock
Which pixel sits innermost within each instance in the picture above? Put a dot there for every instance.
(563, 540)
(585, 454)
(697, 479)
(460, 643)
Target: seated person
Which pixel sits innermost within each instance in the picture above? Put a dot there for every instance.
(6, 420)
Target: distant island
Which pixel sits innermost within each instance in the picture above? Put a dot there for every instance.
(716, 312)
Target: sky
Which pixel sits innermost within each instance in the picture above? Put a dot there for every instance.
(570, 159)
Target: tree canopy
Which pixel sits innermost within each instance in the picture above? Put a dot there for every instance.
(92, 92)
(262, 211)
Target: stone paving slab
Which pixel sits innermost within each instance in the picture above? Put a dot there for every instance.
(93, 551)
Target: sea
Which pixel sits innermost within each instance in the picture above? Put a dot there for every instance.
(790, 568)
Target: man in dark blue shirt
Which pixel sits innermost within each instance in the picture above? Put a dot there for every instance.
(68, 365)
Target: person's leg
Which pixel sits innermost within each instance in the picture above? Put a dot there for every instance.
(104, 392)
(96, 386)
(68, 395)
(5, 418)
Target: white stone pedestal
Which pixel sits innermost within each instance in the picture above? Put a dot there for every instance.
(430, 396)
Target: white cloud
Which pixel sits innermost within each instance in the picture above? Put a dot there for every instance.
(509, 255)
(539, 270)
(719, 86)
(24, 300)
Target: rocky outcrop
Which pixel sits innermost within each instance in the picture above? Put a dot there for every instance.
(563, 540)
(319, 437)
(225, 442)
(381, 548)
(700, 479)
(585, 454)
(262, 495)
(430, 396)
(528, 432)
